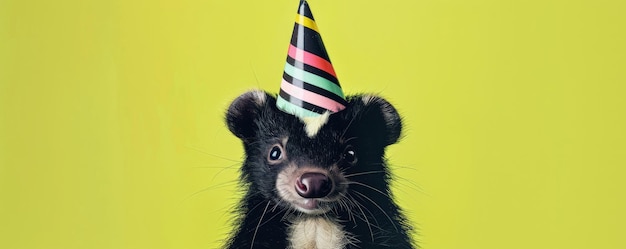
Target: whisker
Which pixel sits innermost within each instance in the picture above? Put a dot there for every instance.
(370, 187)
(348, 126)
(213, 155)
(376, 223)
(258, 225)
(349, 139)
(381, 209)
(222, 170)
(276, 206)
(343, 204)
(396, 166)
(209, 188)
(410, 185)
(364, 217)
(288, 212)
(365, 173)
(255, 75)
(274, 216)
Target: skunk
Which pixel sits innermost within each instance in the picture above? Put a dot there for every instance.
(317, 182)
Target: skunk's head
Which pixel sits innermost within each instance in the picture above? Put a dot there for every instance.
(315, 165)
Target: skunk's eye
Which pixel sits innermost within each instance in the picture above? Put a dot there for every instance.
(349, 155)
(276, 154)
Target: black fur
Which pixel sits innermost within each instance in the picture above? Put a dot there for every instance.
(368, 213)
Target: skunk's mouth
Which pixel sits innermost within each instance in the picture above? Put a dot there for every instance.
(311, 206)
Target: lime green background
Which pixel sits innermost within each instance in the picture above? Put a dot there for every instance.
(111, 132)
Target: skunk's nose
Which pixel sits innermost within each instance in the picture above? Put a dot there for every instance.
(313, 185)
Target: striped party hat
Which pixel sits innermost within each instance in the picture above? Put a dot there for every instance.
(309, 87)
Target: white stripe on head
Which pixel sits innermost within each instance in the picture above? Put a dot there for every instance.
(314, 124)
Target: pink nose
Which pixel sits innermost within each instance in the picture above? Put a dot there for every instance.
(313, 185)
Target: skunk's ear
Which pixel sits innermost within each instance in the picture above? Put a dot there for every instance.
(243, 113)
(378, 118)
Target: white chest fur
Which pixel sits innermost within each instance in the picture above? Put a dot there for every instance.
(317, 233)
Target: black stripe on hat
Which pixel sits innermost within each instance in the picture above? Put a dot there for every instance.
(313, 41)
(313, 88)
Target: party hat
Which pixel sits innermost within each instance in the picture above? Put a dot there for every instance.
(309, 87)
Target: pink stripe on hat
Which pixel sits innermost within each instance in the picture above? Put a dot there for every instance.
(311, 97)
(311, 59)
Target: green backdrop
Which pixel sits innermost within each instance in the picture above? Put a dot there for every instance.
(111, 131)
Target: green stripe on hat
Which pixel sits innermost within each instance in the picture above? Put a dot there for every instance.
(313, 79)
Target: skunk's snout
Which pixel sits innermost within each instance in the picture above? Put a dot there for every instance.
(313, 185)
